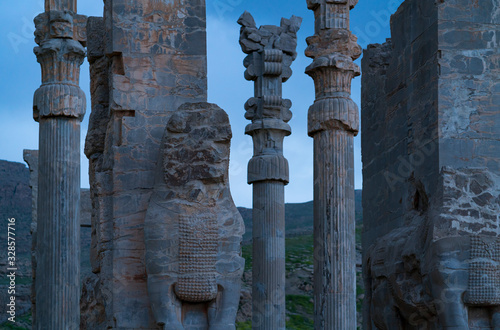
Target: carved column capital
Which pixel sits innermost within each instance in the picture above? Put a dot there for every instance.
(333, 49)
(271, 51)
(331, 13)
(61, 36)
(312, 4)
(60, 5)
(333, 107)
(63, 24)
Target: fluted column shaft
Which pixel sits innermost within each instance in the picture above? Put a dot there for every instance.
(58, 240)
(268, 67)
(268, 291)
(333, 121)
(59, 106)
(334, 243)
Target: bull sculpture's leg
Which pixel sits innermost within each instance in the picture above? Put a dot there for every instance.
(222, 311)
(495, 318)
(448, 287)
(164, 303)
(384, 312)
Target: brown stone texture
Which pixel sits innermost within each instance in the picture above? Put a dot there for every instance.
(431, 168)
(193, 231)
(146, 59)
(333, 122)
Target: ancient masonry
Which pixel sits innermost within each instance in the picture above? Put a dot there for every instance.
(431, 168)
(59, 107)
(166, 235)
(193, 230)
(147, 58)
(271, 51)
(333, 121)
(31, 158)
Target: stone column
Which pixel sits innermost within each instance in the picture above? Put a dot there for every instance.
(271, 51)
(59, 106)
(333, 122)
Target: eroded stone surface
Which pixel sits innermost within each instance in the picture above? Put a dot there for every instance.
(146, 59)
(31, 158)
(193, 231)
(59, 106)
(431, 169)
(271, 50)
(333, 121)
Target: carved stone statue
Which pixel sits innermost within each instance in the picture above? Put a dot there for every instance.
(193, 230)
(415, 281)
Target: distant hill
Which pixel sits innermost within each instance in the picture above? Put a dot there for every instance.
(15, 201)
(298, 217)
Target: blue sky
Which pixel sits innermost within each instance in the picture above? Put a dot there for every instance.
(20, 77)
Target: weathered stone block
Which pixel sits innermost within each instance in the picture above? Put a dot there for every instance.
(193, 230)
(149, 59)
(437, 147)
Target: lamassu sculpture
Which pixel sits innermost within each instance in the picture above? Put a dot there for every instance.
(193, 230)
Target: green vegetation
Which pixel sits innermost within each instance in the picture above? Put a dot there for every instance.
(244, 325)
(299, 322)
(300, 256)
(299, 304)
(23, 322)
(300, 309)
(246, 252)
(19, 280)
(359, 231)
(299, 252)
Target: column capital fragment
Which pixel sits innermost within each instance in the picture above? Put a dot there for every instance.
(60, 5)
(271, 51)
(61, 37)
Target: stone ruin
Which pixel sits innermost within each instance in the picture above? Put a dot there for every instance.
(137, 84)
(192, 230)
(431, 183)
(270, 52)
(166, 235)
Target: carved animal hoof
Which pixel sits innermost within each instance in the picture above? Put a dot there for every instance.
(172, 326)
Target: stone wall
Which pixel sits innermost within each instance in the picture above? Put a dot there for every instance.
(146, 59)
(469, 112)
(431, 146)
